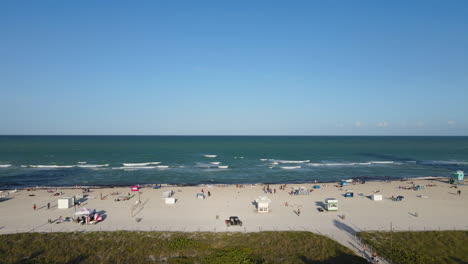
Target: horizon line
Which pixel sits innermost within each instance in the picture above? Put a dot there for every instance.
(226, 135)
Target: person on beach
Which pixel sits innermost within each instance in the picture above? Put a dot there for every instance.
(459, 192)
(48, 205)
(34, 206)
(298, 212)
(209, 194)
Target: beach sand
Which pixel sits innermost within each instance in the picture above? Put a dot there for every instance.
(431, 208)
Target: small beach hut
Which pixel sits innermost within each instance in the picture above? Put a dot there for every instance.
(170, 200)
(376, 197)
(65, 202)
(331, 204)
(135, 188)
(167, 194)
(263, 204)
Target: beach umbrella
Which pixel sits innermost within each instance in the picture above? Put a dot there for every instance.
(85, 211)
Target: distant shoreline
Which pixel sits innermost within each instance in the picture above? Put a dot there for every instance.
(151, 185)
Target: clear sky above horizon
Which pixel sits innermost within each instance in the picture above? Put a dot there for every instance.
(234, 67)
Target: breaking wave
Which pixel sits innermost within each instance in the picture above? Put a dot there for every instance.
(140, 164)
(291, 167)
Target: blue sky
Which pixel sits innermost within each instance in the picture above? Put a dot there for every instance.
(234, 67)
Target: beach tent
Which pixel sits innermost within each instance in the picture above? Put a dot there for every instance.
(263, 204)
(344, 183)
(170, 200)
(316, 186)
(85, 211)
(135, 188)
(65, 202)
(331, 204)
(376, 197)
(200, 195)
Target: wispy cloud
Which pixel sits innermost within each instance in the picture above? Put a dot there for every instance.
(358, 124)
(451, 122)
(382, 124)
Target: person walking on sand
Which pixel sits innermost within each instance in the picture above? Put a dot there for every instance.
(298, 212)
(34, 206)
(48, 205)
(459, 192)
(209, 194)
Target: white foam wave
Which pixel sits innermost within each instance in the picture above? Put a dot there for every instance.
(215, 162)
(81, 162)
(223, 167)
(64, 166)
(291, 167)
(263, 159)
(382, 162)
(51, 166)
(92, 166)
(141, 167)
(140, 164)
(5, 165)
(293, 161)
(210, 156)
(351, 163)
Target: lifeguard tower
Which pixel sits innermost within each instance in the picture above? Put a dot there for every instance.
(331, 204)
(458, 178)
(263, 204)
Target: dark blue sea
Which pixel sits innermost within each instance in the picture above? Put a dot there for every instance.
(190, 160)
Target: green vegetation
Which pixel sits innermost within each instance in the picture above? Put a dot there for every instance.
(420, 247)
(173, 247)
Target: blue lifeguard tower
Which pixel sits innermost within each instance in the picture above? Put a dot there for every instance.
(458, 177)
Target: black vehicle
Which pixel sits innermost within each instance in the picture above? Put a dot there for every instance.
(233, 220)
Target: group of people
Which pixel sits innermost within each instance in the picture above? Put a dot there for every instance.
(88, 219)
(267, 189)
(203, 191)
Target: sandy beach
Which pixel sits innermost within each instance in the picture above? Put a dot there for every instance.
(435, 206)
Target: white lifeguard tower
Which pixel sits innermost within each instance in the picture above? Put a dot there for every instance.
(263, 204)
(331, 204)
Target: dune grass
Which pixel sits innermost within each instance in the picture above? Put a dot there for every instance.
(420, 247)
(173, 247)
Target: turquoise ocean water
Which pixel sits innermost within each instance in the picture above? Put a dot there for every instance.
(124, 160)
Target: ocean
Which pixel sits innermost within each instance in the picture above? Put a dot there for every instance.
(27, 161)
